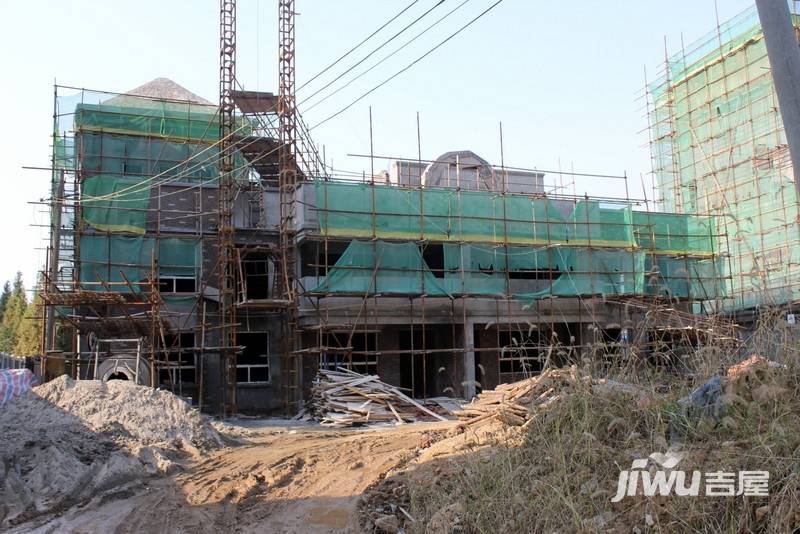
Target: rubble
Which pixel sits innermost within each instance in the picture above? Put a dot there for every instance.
(754, 379)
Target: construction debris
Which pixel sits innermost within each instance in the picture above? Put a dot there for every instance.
(752, 379)
(345, 398)
(513, 403)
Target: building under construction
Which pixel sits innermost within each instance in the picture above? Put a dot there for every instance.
(209, 249)
(442, 277)
(719, 148)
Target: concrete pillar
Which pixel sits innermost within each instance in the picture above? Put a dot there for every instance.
(784, 60)
(469, 360)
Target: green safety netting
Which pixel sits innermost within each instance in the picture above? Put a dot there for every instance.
(531, 272)
(115, 258)
(365, 210)
(379, 267)
(142, 155)
(151, 118)
(116, 204)
(671, 233)
(686, 277)
(719, 148)
(371, 267)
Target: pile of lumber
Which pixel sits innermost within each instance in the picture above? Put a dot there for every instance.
(514, 403)
(345, 398)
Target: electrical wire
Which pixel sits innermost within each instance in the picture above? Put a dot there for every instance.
(407, 67)
(261, 156)
(162, 173)
(386, 42)
(370, 36)
(315, 104)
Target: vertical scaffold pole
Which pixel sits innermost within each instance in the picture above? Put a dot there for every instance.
(226, 246)
(287, 184)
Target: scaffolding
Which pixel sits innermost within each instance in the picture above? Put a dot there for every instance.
(488, 285)
(492, 286)
(719, 148)
(132, 228)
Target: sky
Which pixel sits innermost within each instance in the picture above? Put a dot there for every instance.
(564, 78)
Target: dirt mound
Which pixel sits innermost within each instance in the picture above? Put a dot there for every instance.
(145, 415)
(66, 441)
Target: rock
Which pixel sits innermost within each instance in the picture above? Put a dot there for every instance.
(600, 521)
(590, 486)
(761, 511)
(444, 520)
(387, 523)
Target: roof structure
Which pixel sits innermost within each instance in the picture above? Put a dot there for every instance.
(159, 88)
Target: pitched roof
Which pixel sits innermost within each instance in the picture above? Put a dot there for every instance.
(159, 88)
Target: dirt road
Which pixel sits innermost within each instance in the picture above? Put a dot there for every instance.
(282, 479)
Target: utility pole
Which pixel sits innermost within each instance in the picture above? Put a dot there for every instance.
(784, 60)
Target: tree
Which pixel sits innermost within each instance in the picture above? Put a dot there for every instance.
(28, 338)
(4, 296)
(12, 315)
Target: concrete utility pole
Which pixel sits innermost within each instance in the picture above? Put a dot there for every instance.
(784, 59)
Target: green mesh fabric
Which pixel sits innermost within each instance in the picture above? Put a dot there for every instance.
(719, 149)
(516, 245)
(115, 204)
(370, 267)
(178, 256)
(595, 272)
(115, 258)
(685, 277)
(153, 118)
(148, 156)
(364, 210)
(670, 233)
(366, 268)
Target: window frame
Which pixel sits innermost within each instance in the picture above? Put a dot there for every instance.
(250, 366)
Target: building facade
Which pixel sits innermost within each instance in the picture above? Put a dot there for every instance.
(439, 286)
(719, 148)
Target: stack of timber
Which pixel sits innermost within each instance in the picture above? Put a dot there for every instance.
(345, 398)
(514, 404)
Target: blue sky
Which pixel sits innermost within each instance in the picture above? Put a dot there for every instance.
(564, 78)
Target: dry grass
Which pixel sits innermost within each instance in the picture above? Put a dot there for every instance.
(560, 475)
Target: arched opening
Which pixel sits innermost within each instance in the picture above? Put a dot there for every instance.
(117, 376)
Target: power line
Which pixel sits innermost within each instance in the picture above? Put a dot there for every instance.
(389, 40)
(407, 67)
(315, 104)
(462, 28)
(162, 173)
(370, 36)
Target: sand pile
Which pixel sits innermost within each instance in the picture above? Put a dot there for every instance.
(67, 441)
(127, 411)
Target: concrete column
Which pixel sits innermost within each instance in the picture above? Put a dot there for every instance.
(784, 60)
(469, 360)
